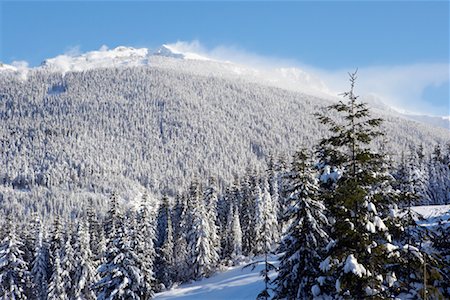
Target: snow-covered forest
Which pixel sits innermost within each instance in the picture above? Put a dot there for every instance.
(70, 137)
(120, 183)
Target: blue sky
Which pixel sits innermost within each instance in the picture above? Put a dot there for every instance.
(325, 37)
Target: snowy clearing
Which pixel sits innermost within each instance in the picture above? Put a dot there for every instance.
(235, 283)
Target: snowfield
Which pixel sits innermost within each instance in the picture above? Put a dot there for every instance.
(234, 283)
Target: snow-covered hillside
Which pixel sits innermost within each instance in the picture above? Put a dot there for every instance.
(129, 119)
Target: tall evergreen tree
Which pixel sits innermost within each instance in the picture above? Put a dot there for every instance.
(201, 255)
(356, 261)
(85, 273)
(210, 201)
(40, 264)
(144, 236)
(13, 267)
(121, 275)
(248, 213)
(305, 237)
(180, 251)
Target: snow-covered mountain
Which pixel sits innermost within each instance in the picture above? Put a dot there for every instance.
(125, 119)
(293, 79)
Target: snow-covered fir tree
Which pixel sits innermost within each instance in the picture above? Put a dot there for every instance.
(232, 252)
(266, 225)
(122, 274)
(40, 263)
(180, 249)
(68, 264)
(355, 263)
(210, 201)
(164, 244)
(56, 285)
(85, 273)
(304, 241)
(144, 236)
(202, 255)
(14, 274)
(248, 213)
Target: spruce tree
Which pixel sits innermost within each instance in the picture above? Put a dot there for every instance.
(122, 274)
(144, 236)
(201, 253)
(40, 264)
(355, 266)
(85, 273)
(13, 267)
(180, 251)
(305, 237)
(164, 244)
(210, 200)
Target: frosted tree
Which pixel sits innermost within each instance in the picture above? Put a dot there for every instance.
(121, 275)
(305, 238)
(248, 213)
(97, 241)
(13, 267)
(56, 285)
(355, 264)
(112, 219)
(441, 241)
(210, 200)
(266, 225)
(180, 251)
(233, 234)
(85, 273)
(164, 261)
(144, 236)
(68, 265)
(201, 252)
(40, 264)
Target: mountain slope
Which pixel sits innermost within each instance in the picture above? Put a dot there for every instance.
(151, 124)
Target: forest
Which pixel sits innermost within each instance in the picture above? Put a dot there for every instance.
(338, 213)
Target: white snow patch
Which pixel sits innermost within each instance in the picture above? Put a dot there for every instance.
(380, 224)
(234, 283)
(352, 266)
(325, 265)
(371, 207)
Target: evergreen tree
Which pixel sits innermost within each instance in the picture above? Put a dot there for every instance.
(210, 201)
(165, 255)
(201, 254)
(144, 236)
(68, 265)
(355, 266)
(56, 285)
(96, 235)
(112, 218)
(306, 236)
(266, 225)
(248, 213)
(13, 267)
(40, 264)
(121, 275)
(85, 273)
(233, 236)
(180, 251)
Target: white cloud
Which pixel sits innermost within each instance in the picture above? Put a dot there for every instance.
(399, 86)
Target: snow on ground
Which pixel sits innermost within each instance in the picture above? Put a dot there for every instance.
(232, 284)
(428, 211)
(434, 215)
